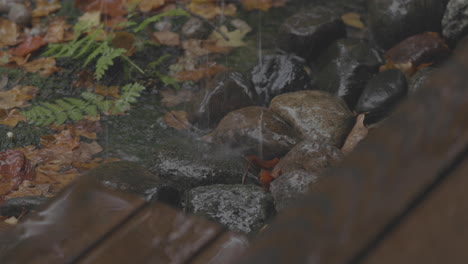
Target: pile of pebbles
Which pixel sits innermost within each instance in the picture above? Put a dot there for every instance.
(297, 104)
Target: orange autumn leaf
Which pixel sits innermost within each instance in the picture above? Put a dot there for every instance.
(124, 40)
(43, 66)
(357, 134)
(177, 120)
(265, 178)
(17, 97)
(112, 8)
(45, 7)
(200, 73)
(263, 5)
(29, 45)
(264, 164)
(9, 33)
(10, 117)
(209, 9)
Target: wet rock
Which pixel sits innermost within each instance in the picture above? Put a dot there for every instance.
(310, 31)
(418, 80)
(189, 163)
(347, 65)
(195, 28)
(455, 20)
(391, 21)
(20, 14)
(255, 131)
(287, 188)
(310, 155)
(244, 208)
(18, 206)
(278, 74)
(409, 54)
(130, 177)
(227, 92)
(5, 5)
(381, 94)
(316, 115)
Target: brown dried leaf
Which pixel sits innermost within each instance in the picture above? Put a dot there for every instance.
(263, 5)
(112, 91)
(209, 9)
(44, 66)
(45, 7)
(148, 5)
(9, 33)
(56, 31)
(200, 73)
(10, 117)
(167, 38)
(177, 120)
(358, 133)
(17, 97)
(124, 40)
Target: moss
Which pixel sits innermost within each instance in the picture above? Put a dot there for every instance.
(23, 135)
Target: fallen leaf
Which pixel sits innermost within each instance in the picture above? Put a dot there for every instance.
(10, 117)
(85, 128)
(30, 44)
(235, 37)
(167, 38)
(9, 33)
(92, 18)
(56, 31)
(17, 96)
(353, 19)
(200, 73)
(43, 66)
(124, 40)
(263, 5)
(148, 5)
(171, 98)
(177, 120)
(112, 91)
(11, 221)
(358, 133)
(45, 7)
(265, 178)
(15, 167)
(209, 9)
(112, 8)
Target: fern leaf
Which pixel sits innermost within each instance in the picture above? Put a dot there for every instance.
(105, 106)
(156, 18)
(91, 110)
(106, 60)
(86, 47)
(99, 50)
(59, 112)
(92, 97)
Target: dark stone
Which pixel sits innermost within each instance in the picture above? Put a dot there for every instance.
(278, 74)
(391, 21)
(347, 65)
(381, 94)
(131, 177)
(255, 131)
(455, 20)
(195, 28)
(18, 206)
(310, 31)
(20, 14)
(244, 208)
(418, 80)
(290, 186)
(227, 92)
(188, 163)
(316, 115)
(310, 155)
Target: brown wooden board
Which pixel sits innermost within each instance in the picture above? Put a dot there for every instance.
(356, 205)
(68, 226)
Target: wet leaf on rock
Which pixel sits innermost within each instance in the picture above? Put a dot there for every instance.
(358, 133)
(235, 37)
(353, 19)
(265, 178)
(209, 9)
(14, 168)
(43, 66)
(264, 164)
(201, 72)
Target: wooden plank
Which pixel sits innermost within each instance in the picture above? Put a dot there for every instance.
(68, 226)
(435, 232)
(157, 234)
(354, 203)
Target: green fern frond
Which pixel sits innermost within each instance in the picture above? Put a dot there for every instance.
(156, 18)
(106, 60)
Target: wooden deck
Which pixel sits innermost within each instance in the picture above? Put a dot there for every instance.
(401, 197)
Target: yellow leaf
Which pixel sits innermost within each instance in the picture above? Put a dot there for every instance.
(17, 97)
(235, 37)
(353, 20)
